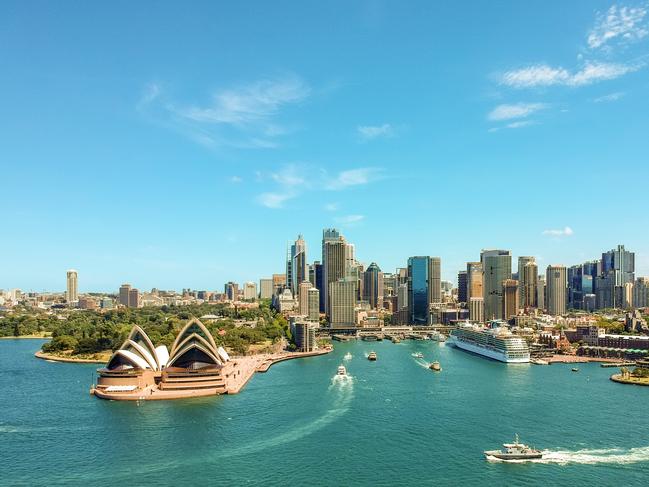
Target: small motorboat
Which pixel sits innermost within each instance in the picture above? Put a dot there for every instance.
(435, 366)
(418, 355)
(372, 356)
(575, 369)
(514, 451)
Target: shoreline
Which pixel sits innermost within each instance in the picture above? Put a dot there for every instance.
(28, 337)
(618, 378)
(579, 359)
(55, 358)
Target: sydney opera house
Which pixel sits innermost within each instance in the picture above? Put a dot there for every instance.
(137, 370)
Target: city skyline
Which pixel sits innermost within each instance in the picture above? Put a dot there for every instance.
(396, 130)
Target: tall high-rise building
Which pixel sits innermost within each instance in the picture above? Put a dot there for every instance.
(231, 291)
(641, 292)
(402, 296)
(621, 263)
(510, 298)
(373, 286)
(265, 288)
(333, 261)
(476, 309)
(72, 292)
(123, 294)
(474, 280)
(557, 289)
(462, 287)
(250, 291)
(133, 298)
(528, 282)
(318, 271)
(424, 288)
(540, 293)
(303, 297)
(313, 312)
(298, 268)
(342, 303)
(497, 267)
(389, 284)
(523, 260)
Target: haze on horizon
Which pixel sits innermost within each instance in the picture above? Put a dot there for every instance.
(177, 147)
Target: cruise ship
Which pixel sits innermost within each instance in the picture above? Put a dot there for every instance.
(494, 342)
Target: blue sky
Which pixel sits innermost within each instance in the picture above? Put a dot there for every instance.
(177, 145)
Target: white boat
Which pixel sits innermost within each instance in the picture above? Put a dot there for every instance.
(495, 342)
(348, 356)
(417, 355)
(515, 451)
(342, 371)
(538, 361)
(437, 336)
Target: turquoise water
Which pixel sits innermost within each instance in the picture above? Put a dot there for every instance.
(396, 422)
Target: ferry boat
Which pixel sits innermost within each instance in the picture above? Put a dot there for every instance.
(435, 366)
(372, 356)
(495, 342)
(437, 336)
(515, 451)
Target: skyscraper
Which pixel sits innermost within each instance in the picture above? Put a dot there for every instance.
(72, 292)
(556, 282)
(373, 286)
(497, 267)
(621, 263)
(265, 288)
(313, 313)
(232, 291)
(303, 298)
(342, 303)
(510, 298)
(133, 298)
(641, 292)
(298, 267)
(333, 261)
(123, 294)
(462, 287)
(474, 280)
(528, 277)
(424, 288)
(522, 261)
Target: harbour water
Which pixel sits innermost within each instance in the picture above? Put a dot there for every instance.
(394, 422)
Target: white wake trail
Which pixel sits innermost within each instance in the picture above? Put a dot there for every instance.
(619, 456)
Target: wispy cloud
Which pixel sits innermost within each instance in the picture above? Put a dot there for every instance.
(624, 24)
(610, 97)
(349, 219)
(369, 132)
(236, 179)
(243, 117)
(565, 232)
(514, 111)
(354, 177)
(274, 200)
(543, 75)
(331, 206)
(520, 124)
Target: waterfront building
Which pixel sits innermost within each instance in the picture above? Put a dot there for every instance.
(124, 289)
(476, 309)
(462, 287)
(528, 274)
(265, 288)
(298, 268)
(474, 280)
(333, 259)
(232, 291)
(72, 292)
(497, 267)
(373, 286)
(556, 282)
(522, 262)
(313, 311)
(303, 298)
(510, 298)
(342, 303)
(133, 298)
(424, 288)
(303, 333)
(641, 293)
(250, 291)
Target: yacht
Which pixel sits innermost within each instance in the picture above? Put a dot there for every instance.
(372, 356)
(514, 451)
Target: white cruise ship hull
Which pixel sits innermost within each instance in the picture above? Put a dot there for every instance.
(488, 352)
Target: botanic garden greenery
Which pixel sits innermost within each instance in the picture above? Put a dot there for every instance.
(87, 332)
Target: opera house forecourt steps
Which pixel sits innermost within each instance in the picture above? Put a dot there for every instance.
(194, 367)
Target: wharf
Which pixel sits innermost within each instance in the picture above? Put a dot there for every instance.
(618, 364)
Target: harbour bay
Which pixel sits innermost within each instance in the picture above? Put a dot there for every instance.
(394, 422)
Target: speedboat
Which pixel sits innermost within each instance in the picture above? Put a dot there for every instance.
(418, 355)
(348, 356)
(342, 371)
(575, 369)
(372, 356)
(515, 451)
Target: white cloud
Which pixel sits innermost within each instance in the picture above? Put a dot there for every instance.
(274, 200)
(565, 232)
(520, 124)
(354, 177)
(349, 219)
(626, 24)
(151, 92)
(331, 206)
(368, 132)
(543, 75)
(513, 111)
(610, 97)
(290, 175)
(236, 179)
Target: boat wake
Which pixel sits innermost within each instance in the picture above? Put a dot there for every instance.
(422, 363)
(619, 456)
